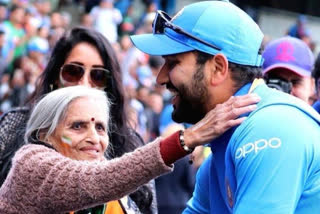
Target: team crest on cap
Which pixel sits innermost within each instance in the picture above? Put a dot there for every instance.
(177, 14)
(285, 52)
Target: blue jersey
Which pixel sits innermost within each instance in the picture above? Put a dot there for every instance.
(268, 164)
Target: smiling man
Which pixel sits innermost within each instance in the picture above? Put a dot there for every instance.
(268, 164)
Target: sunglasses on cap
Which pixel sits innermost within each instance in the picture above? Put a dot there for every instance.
(163, 20)
(72, 73)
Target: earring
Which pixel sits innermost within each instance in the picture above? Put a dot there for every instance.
(51, 87)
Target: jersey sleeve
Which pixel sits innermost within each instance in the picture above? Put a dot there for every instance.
(271, 157)
(199, 203)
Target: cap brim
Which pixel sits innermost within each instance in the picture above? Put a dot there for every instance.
(299, 71)
(158, 44)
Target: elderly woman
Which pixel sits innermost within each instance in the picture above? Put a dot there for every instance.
(63, 167)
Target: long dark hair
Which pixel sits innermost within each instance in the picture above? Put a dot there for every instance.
(122, 138)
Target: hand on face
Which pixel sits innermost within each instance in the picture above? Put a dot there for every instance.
(220, 119)
(82, 134)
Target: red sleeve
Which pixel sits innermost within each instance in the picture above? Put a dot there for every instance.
(171, 150)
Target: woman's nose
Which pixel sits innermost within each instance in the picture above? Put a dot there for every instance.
(93, 135)
(85, 80)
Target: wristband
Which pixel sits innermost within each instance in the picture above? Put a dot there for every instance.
(183, 145)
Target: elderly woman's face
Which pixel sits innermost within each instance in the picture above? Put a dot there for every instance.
(82, 134)
(83, 66)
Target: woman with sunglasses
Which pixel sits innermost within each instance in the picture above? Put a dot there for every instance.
(81, 57)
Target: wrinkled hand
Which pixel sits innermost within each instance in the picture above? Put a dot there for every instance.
(220, 119)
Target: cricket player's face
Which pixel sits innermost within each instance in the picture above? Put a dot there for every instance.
(186, 81)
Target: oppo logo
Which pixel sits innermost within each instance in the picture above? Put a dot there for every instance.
(257, 146)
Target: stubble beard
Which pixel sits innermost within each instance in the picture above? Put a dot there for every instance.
(191, 107)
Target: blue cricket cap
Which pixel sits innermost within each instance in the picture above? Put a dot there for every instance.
(219, 23)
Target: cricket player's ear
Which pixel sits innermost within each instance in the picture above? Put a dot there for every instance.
(219, 69)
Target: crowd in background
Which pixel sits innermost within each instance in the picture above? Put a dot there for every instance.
(29, 30)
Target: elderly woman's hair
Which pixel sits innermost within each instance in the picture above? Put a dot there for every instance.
(52, 109)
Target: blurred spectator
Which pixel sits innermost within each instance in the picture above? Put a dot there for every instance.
(54, 36)
(155, 104)
(145, 116)
(15, 34)
(56, 20)
(43, 32)
(287, 67)
(299, 29)
(138, 112)
(19, 85)
(106, 19)
(144, 75)
(143, 94)
(42, 10)
(127, 26)
(139, 69)
(145, 23)
(37, 50)
(86, 20)
(130, 60)
(66, 19)
(31, 24)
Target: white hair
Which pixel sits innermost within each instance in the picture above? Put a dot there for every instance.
(51, 109)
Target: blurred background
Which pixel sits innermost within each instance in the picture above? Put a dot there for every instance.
(29, 30)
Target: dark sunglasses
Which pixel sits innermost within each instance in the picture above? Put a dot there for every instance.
(163, 20)
(72, 73)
